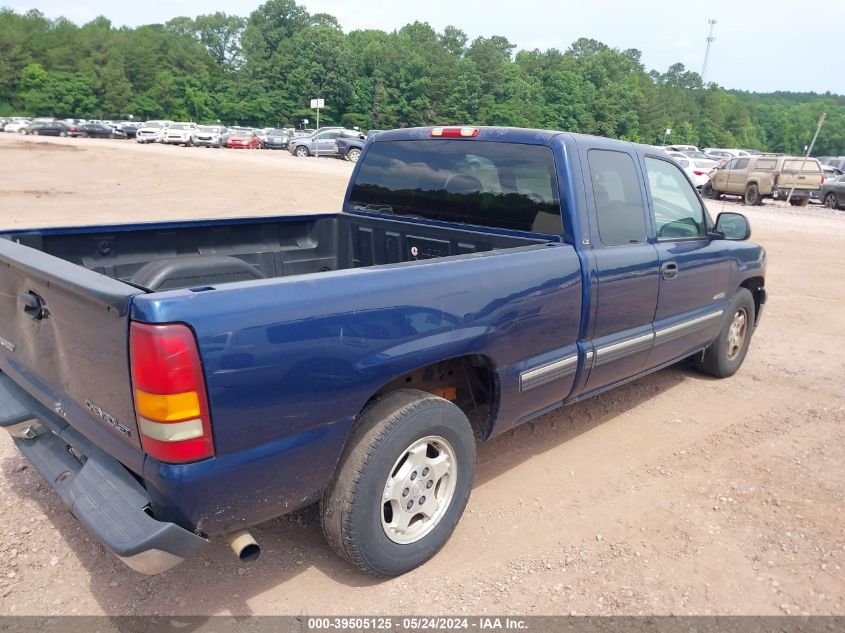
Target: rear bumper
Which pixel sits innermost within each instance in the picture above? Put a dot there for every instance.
(782, 194)
(98, 490)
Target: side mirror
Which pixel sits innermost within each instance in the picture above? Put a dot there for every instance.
(733, 226)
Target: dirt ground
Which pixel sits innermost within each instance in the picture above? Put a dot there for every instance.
(676, 494)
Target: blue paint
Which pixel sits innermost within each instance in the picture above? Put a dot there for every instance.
(290, 362)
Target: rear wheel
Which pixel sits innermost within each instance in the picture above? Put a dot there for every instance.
(402, 484)
(302, 151)
(725, 355)
(799, 202)
(752, 195)
(35, 132)
(63, 134)
(831, 201)
(353, 155)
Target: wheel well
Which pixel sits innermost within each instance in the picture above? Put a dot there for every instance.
(755, 286)
(468, 381)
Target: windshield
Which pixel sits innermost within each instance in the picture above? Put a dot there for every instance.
(180, 126)
(504, 185)
(277, 132)
(152, 124)
(209, 128)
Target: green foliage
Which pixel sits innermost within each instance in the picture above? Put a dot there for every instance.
(263, 69)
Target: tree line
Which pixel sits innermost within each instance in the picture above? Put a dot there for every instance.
(264, 69)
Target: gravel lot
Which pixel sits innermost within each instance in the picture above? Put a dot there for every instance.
(675, 494)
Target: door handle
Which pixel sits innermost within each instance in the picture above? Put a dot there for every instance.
(669, 270)
(33, 305)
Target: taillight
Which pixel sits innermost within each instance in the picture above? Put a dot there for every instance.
(171, 404)
(699, 173)
(455, 132)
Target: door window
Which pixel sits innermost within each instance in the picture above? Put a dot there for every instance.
(741, 163)
(619, 202)
(678, 212)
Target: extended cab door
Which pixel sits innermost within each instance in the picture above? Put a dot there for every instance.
(626, 265)
(693, 267)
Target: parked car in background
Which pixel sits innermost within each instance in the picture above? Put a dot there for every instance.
(47, 128)
(180, 134)
(322, 143)
(697, 173)
(130, 130)
(152, 131)
(832, 192)
(350, 147)
(683, 148)
(725, 152)
(17, 126)
(211, 136)
(243, 139)
(833, 161)
(278, 138)
(95, 130)
(758, 177)
(831, 172)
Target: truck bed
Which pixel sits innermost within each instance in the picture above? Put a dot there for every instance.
(161, 257)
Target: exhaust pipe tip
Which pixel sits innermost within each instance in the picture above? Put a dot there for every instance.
(244, 545)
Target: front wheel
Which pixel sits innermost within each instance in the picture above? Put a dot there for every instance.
(725, 355)
(402, 484)
(707, 191)
(302, 151)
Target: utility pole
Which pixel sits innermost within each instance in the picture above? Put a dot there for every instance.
(710, 40)
(806, 156)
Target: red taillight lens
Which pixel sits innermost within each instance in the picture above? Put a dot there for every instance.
(455, 132)
(699, 173)
(171, 404)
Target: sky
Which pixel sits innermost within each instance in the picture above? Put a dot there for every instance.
(760, 45)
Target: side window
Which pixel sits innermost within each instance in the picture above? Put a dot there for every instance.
(678, 212)
(741, 163)
(732, 164)
(619, 203)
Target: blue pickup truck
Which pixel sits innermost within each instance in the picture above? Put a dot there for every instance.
(177, 381)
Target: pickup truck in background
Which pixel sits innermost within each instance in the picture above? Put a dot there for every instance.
(350, 147)
(182, 380)
(767, 176)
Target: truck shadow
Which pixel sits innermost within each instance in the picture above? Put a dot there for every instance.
(293, 548)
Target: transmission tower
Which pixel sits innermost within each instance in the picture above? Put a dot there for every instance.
(710, 39)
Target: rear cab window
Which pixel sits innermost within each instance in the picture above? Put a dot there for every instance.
(801, 165)
(620, 211)
(484, 183)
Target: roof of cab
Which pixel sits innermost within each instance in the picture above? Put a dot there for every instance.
(486, 133)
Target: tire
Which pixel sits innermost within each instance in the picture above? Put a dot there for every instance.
(831, 201)
(62, 134)
(707, 191)
(35, 132)
(752, 196)
(301, 151)
(357, 521)
(353, 155)
(84, 135)
(800, 202)
(22, 132)
(724, 356)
